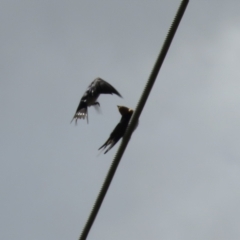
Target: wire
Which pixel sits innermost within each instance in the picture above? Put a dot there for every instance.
(134, 119)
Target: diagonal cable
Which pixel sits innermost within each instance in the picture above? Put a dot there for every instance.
(134, 119)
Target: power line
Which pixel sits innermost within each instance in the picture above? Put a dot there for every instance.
(134, 119)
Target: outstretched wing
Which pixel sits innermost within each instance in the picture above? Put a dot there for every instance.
(102, 87)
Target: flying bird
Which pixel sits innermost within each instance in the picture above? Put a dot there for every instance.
(119, 130)
(89, 98)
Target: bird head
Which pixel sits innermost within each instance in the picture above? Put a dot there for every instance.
(124, 110)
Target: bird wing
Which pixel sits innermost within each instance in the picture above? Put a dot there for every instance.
(115, 135)
(101, 86)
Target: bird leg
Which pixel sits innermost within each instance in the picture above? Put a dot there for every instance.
(96, 103)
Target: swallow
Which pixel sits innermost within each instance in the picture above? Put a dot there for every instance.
(97, 87)
(119, 130)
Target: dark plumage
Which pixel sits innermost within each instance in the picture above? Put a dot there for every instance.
(97, 87)
(120, 129)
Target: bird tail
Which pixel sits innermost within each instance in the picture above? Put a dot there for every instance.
(104, 145)
(81, 114)
(108, 144)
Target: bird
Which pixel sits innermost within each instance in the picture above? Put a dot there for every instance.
(120, 129)
(98, 86)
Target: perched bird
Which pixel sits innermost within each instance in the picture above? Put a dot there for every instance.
(120, 129)
(97, 87)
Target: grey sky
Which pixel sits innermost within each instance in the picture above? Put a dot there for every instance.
(180, 175)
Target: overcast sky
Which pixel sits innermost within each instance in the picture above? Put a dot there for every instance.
(179, 178)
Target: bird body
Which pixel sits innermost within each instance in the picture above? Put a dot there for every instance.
(119, 130)
(89, 98)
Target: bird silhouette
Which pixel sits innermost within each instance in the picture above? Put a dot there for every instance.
(120, 129)
(89, 98)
